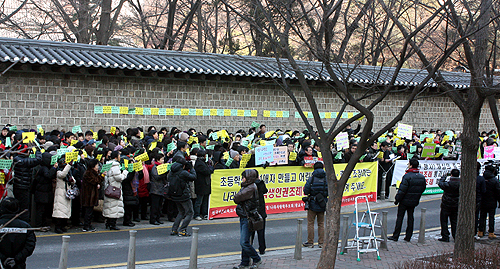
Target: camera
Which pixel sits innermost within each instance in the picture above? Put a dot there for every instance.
(306, 200)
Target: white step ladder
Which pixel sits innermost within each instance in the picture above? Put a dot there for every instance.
(364, 243)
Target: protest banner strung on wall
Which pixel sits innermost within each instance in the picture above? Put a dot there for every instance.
(285, 185)
(432, 170)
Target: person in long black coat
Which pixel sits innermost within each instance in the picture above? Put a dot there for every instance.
(489, 201)
(43, 190)
(202, 185)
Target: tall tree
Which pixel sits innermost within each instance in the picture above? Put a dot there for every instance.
(317, 25)
(472, 21)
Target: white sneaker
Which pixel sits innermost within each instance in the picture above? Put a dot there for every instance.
(198, 218)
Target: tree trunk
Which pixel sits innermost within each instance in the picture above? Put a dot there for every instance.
(332, 222)
(464, 243)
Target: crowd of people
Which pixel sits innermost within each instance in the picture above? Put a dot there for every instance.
(119, 173)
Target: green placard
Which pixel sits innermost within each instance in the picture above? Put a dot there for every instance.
(8, 142)
(338, 156)
(429, 150)
(255, 124)
(106, 167)
(5, 164)
(77, 129)
(229, 161)
(130, 167)
(53, 159)
(171, 147)
(382, 139)
(211, 147)
(413, 149)
(13, 128)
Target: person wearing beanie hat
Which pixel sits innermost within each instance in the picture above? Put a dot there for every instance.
(183, 137)
(15, 248)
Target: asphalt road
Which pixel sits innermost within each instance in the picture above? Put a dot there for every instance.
(154, 243)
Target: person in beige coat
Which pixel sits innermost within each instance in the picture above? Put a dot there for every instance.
(62, 205)
(114, 208)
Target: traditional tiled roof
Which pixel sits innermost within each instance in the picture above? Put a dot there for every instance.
(109, 57)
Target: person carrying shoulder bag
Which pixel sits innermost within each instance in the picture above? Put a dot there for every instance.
(317, 189)
(247, 202)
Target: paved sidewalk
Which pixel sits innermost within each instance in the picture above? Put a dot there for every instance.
(283, 258)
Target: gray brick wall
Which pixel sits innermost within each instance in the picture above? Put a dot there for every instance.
(55, 101)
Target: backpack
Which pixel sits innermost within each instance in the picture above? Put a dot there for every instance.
(174, 184)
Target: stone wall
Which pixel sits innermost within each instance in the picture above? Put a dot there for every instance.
(57, 100)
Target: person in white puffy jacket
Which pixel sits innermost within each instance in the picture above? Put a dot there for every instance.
(62, 205)
(113, 208)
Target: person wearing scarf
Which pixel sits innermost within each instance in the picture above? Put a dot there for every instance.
(408, 197)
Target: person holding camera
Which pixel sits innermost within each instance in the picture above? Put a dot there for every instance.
(247, 201)
(181, 172)
(317, 190)
(408, 197)
(489, 201)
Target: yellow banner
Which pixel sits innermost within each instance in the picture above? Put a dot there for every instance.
(285, 185)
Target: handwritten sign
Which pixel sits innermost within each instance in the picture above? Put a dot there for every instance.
(280, 155)
(488, 152)
(404, 130)
(244, 160)
(5, 164)
(264, 154)
(342, 141)
(71, 156)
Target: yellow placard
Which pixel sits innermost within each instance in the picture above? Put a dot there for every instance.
(328, 115)
(142, 135)
(279, 114)
(2, 178)
(213, 112)
(262, 142)
(73, 142)
(139, 111)
(253, 113)
(28, 137)
(169, 111)
(137, 166)
(94, 135)
(445, 138)
(380, 155)
(292, 156)
(400, 142)
(227, 112)
(123, 110)
(269, 134)
(99, 157)
(184, 112)
(155, 111)
(267, 113)
(285, 187)
(85, 155)
(225, 156)
(350, 115)
(152, 146)
(113, 130)
(125, 162)
(162, 168)
(240, 113)
(160, 137)
(199, 112)
(71, 156)
(320, 155)
(143, 157)
(244, 160)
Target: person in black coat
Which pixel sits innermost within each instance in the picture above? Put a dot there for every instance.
(202, 185)
(449, 204)
(181, 172)
(317, 190)
(489, 201)
(408, 197)
(23, 174)
(15, 247)
(43, 190)
(480, 191)
(261, 234)
(217, 160)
